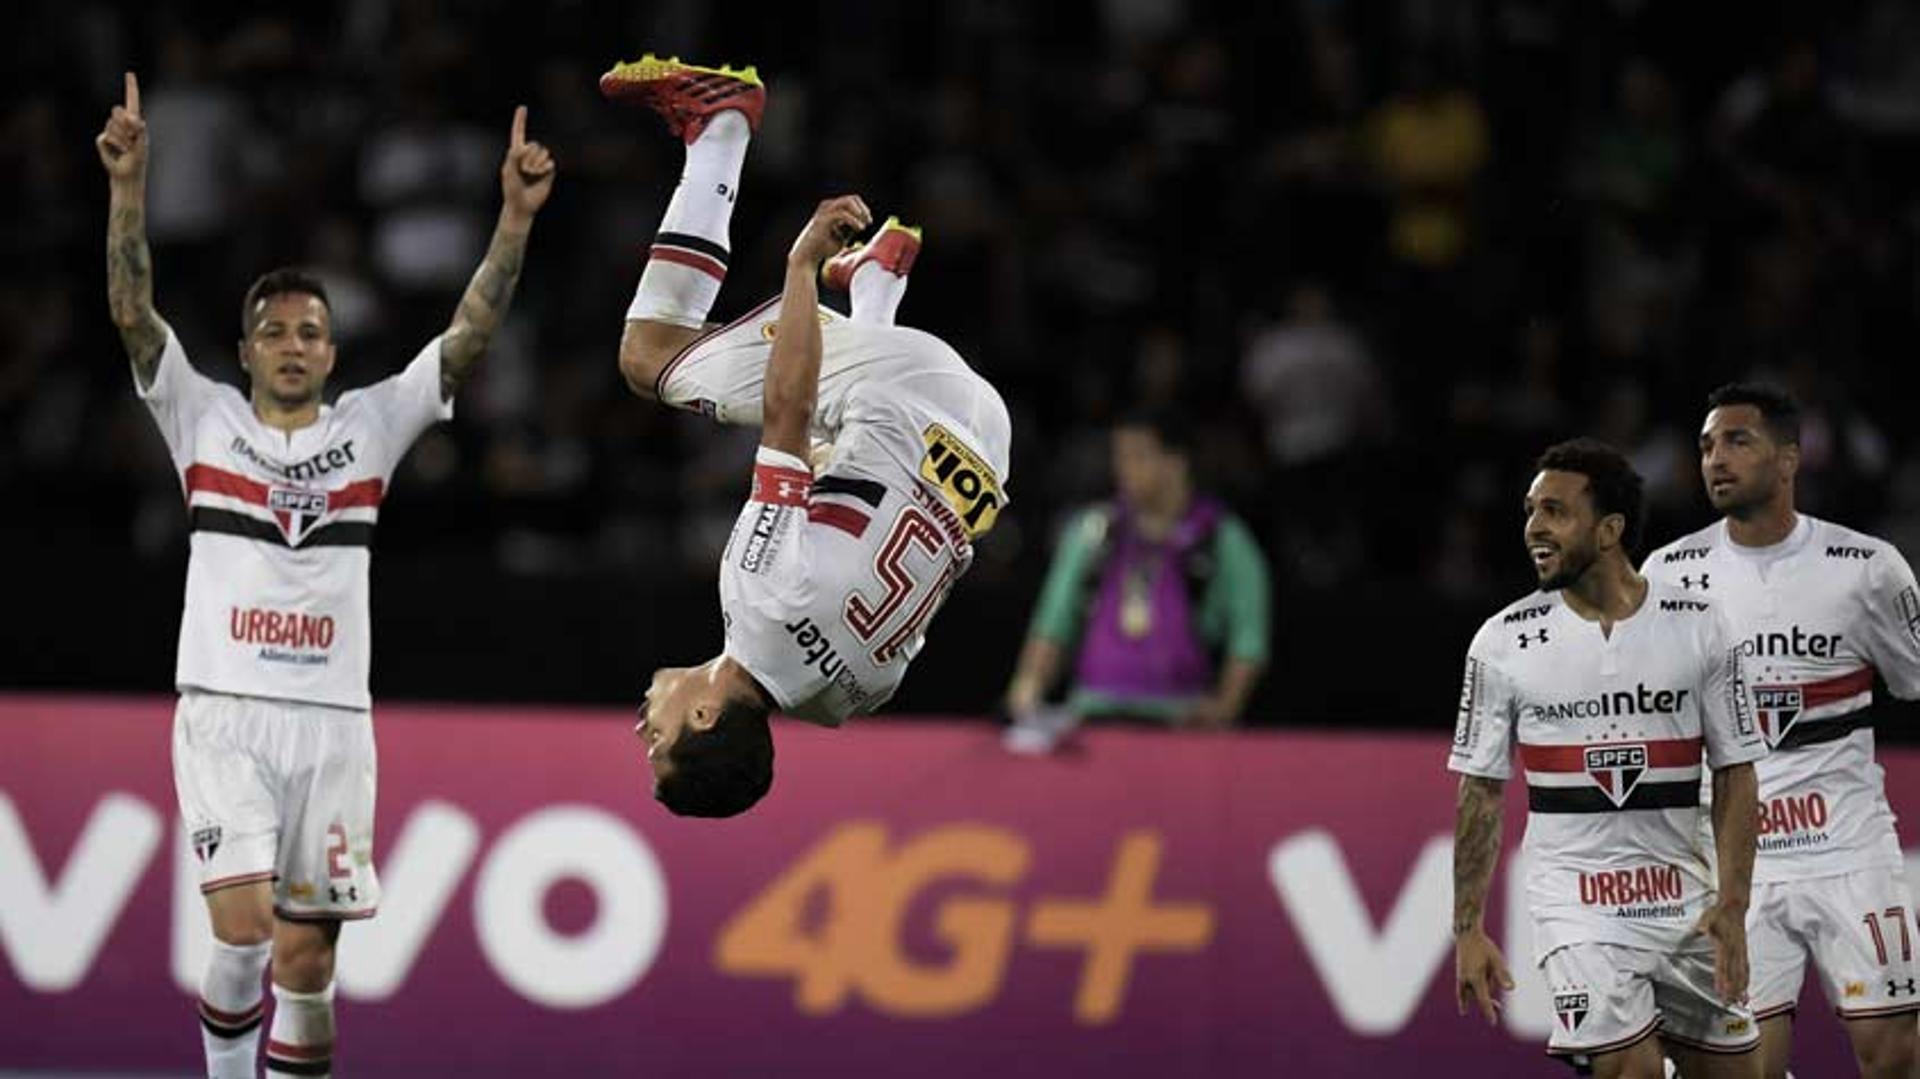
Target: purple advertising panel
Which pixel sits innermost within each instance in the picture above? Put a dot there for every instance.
(910, 899)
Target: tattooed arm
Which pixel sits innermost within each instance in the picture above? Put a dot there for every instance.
(526, 178)
(1478, 965)
(122, 146)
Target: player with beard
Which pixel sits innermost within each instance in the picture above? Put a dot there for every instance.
(1615, 692)
(273, 754)
(1818, 609)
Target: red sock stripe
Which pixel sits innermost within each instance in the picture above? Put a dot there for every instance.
(712, 267)
(232, 1019)
(300, 1052)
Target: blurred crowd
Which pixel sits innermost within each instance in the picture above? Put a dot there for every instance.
(1384, 253)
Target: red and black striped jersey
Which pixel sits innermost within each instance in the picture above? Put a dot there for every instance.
(827, 585)
(1613, 732)
(281, 527)
(1815, 616)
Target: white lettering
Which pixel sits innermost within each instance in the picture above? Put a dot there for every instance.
(51, 929)
(1376, 980)
(605, 960)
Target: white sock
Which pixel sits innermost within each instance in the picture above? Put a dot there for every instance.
(688, 260)
(876, 292)
(231, 1005)
(301, 1042)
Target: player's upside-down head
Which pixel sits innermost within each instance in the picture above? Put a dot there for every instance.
(708, 740)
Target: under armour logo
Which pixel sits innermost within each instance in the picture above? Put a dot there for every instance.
(1900, 989)
(789, 489)
(352, 893)
(1539, 635)
(1687, 582)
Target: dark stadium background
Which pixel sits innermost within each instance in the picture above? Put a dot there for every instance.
(1123, 201)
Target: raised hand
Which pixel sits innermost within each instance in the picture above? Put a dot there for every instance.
(834, 224)
(526, 176)
(123, 142)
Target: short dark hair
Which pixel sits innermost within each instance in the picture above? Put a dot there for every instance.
(722, 770)
(277, 282)
(1168, 424)
(1779, 412)
(1611, 481)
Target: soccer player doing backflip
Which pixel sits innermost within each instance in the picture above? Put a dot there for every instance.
(834, 569)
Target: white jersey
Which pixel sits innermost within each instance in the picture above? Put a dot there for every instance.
(1611, 731)
(899, 405)
(827, 585)
(282, 526)
(1815, 616)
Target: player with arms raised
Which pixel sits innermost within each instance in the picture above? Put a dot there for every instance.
(1615, 691)
(273, 750)
(828, 582)
(1817, 608)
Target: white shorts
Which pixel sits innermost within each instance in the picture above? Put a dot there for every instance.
(279, 791)
(1858, 928)
(884, 392)
(1607, 997)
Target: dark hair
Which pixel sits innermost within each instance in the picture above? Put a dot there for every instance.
(1611, 481)
(1779, 412)
(723, 770)
(1167, 424)
(278, 282)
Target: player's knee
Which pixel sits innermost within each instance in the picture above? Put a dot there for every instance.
(1886, 1048)
(241, 917)
(243, 929)
(638, 365)
(303, 955)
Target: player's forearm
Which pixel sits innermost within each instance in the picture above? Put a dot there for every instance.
(130, 277)
(1039, 665)
(483, 307)
(1476, 849)
(1736, 823)
(1237, 680)
(793, 364)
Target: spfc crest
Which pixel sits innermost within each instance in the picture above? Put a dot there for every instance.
(1616, 770)
(296, 510)
(1777, 707)
(206, 841)
(1572, 1010)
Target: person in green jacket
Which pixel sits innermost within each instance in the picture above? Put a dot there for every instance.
(1161, 595)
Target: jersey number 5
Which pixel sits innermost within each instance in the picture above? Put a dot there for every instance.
(912, 530)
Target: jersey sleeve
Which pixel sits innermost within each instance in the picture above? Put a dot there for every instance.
(1243, 573)
(1726, 708)
(1892, 622)
(406, 403)
(1483, 733)
(1056, 617)
(767, 554)
(176, 397)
